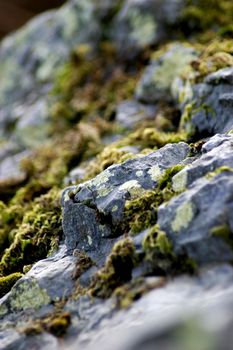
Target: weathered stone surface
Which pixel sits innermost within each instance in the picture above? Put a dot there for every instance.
(199, 221)
(211, 104)
(149, 322)
(142, 23)
(91, 210)
(156, 83)
(130, 113)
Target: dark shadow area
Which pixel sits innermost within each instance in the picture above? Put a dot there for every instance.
(15, 13)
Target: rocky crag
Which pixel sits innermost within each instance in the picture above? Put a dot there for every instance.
(116, 177)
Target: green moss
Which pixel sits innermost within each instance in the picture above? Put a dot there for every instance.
(134, 290)
(160, 256)
(151, 138)
(218, 171)
(6, 283)
(37, 236)
(207, 17)
(141, 212)
(191, 109)
(90, 86)
(117, 269)
(109, 156)
(223, 231)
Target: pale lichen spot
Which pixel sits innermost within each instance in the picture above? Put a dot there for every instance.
(89, 239)
(183, 218)
(155, 172)
(179, 181)
(101, 179)
(139, 173)
(28, 295)
(104, 191)
(115, 208)
(143, 26)
(3, 310)
(133, 187)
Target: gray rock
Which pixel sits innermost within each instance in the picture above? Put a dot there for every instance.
(156, 83)
(144, 22)
(130, 113)
(211, 104)
(149, 323)
(93, 210)
(28, 65)
(199, 220)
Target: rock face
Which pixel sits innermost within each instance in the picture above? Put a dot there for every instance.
(210, 100)
(138, 252)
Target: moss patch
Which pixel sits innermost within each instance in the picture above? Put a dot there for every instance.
(141, 212)
(117, 269)
(37, 236)
(160, 256)
(6, 283)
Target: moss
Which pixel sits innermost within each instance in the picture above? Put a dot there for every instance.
(91, 86)
(224, 231)
(6, 283)
(218, 171)
(109, 156)
(141, 212)
(190, 110)
(116, 271)
(151, 138)
(134, 290)
(55, 324)
(160, 256)
(37, 236)
(208, 17)
(83, 263)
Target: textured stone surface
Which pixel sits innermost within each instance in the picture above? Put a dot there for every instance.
(212, 106)
(156, 83)
(92, 209)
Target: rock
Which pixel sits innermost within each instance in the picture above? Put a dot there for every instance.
(156, 83)
(210, 107)
(143, 23)
(131, 113)
(150, 322)
(198, 221)
(48, 281)
(91, 210)
(28, 66)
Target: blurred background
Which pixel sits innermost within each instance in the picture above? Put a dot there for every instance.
(14, 13)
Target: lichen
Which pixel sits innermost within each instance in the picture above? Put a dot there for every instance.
(27, 295)
(143, 27)
(183, 217)
(180, 180)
